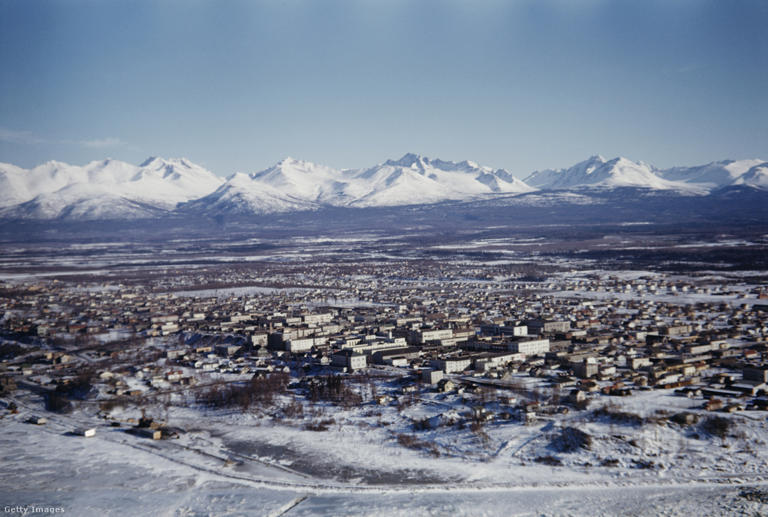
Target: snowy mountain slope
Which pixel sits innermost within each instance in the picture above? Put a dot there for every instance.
(82, 201)
(158, 182)
(756, 176)
(596, 171)
(13, 187)
(158, 187)
(415, 179)
(299, 185)
(304, 180)
(20, 185)
(241, 194)
(387, 185)
(177, 180)
(712, 175)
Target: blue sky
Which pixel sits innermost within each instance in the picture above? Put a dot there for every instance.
(237, 85)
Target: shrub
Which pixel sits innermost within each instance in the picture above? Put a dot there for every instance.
(412, 442)
(57, 403)
(754, 494)
(685, 419)
(407, 440)
(110, 404)
(11, 350)
(548, 460)
(571, 439)
(717, 426)
(319, 425)
(614, 414)
(258, 391)
(333, 388)
(642, 464)
(582, 404)
(422, 425)
(476, 427)
(294, 409)
(79, 387)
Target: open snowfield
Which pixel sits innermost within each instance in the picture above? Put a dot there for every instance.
(233, 463)
(105, 475)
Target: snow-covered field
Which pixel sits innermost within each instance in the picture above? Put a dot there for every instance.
(235, 463)
(109, 475)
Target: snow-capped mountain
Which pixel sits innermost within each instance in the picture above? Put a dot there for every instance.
(83, 201)
(415, 179)
(110, 189)
(712, 175)
(599, 172)
(241, 194)
(622, 172)
(412, 179)
(305, 181)
(102, 188)
(756, 176)
(293, 185)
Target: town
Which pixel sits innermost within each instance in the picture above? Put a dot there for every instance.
(444, 334)
(335, 372)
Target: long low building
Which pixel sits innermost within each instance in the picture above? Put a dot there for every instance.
(488, 360)
(422, 336)
(393, 354)
(452, 364)
(349, 359)
(530, 346)
(304, 344)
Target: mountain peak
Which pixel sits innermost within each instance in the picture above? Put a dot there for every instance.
(159, 162)
(239, 178)
(408, 160)
(288, 160)
(55, 163)
(597, 172)
(294, 184)
(149, 161)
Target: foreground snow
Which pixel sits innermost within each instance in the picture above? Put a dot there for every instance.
(97, 476)
(234, 463)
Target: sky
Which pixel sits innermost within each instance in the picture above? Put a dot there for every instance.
(237, 85)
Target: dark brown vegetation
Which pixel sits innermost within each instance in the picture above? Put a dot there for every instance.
(319, 425)
(260, 391)
(615, 414)
(717, 426)
(548, 460)
(571, 439)
(413, 442)
(684, 419)
(79, 387)
(57, 403)
(11, 350)
(333, 388)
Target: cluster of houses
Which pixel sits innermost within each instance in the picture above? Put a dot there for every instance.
(445, 331)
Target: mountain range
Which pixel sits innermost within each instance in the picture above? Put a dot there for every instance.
(112, 189)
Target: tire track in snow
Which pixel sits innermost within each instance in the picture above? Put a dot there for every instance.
(288, 507)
